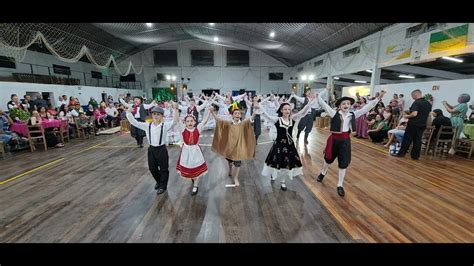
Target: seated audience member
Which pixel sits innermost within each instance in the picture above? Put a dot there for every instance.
(85, 123)
(100, 122)
(112, 115)
(51, 139)
(379, 130)
(52, 111)
(398, 132)
(14, 103)
(387, 114)
(438, 121)
(395, 107)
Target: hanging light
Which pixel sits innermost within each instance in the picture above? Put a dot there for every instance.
(149, 25)
(272, 34)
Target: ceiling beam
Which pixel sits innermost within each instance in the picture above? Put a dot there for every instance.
(323, 82)
(364, 78)
(427, 72)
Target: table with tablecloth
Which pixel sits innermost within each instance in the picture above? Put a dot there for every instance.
(22, 130)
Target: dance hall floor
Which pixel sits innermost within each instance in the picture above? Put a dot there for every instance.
(100, 190)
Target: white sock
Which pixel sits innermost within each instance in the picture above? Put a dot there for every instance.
(342, 173)
(325, 168)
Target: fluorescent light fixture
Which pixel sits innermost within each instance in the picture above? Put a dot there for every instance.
(272, 34)
(168, 77)
(360, 81)
(311, 77)
(149, 25)
(173, 78)
(212, 24)
(336, 78)
(452, 59)
(406, 76)
(369, 70)
(216, 39)
(303, 78)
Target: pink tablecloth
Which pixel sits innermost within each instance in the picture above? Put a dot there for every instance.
(19, 128)
(51, 123)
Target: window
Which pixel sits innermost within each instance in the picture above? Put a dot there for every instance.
(160, 76)
(7, 62)
(422, 28)
(64, 70)
(165, 57)
(275, 76)
(300, 69)
(202, 57)
(128, 78)
(317, 63)
(351, 52)
(238, 58)
(96, 75)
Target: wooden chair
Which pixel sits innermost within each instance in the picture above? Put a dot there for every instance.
(81, 131)
(444, 139)
(426, 139)
(37, 139)
(2, 150)
(465, 146)
(63, 131)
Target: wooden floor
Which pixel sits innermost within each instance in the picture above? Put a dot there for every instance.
(100, 190)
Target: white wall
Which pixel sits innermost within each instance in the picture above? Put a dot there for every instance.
(254, 77)
(83, 93)
(42, 61)
(449, 90)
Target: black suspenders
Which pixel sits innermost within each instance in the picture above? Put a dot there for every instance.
(149, 133)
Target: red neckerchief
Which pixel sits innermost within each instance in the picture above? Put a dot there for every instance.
(135, 109)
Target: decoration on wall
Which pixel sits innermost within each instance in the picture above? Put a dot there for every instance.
(399, 50)
(435, 88)
(454, 38)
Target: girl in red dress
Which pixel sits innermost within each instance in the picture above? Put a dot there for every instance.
(191, 164)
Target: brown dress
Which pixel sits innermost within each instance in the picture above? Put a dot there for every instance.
(234, 141)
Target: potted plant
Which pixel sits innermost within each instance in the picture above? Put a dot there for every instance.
(429, 98)
(19, 115)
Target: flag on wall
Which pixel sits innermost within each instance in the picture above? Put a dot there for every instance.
(453, 38)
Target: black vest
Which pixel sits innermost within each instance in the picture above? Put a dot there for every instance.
(336, 123)
(194, 112)
(305, 102)
(257, 124)
(142, 112)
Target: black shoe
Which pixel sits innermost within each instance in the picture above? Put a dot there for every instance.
(415, 158)
(320, 177)
(283, 186)
(160, 191)
(397, 155)
(340, 191)
(306, 141)
(157, 186)
(194, 191)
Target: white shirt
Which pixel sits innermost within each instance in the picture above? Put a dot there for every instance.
(346, 116)
(155, 130)
(110, 111)
(314, 105)
(61, 103)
